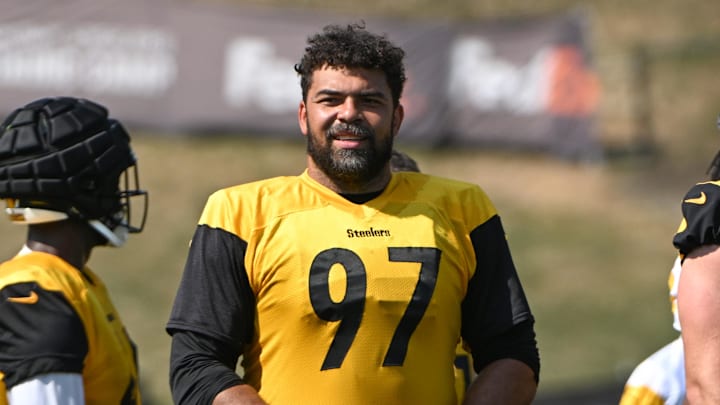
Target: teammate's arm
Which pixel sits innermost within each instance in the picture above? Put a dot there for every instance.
(698, 301)
(699, 310)
(56, 375)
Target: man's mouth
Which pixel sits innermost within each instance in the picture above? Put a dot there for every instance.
(348, 136)
(348, 141)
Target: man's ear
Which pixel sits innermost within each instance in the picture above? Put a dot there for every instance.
(398, 116)
(302, 117)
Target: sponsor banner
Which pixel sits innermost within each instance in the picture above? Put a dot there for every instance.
(525, 83)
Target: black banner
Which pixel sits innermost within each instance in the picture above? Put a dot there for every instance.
(525, 83)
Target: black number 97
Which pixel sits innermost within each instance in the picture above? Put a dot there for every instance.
(349, 311)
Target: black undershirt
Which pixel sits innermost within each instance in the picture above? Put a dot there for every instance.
(361, 198)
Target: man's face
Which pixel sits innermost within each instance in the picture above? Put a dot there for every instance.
(350, 123)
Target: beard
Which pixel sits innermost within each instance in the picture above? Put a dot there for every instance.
(350, 166)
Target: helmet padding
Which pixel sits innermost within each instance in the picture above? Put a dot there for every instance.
(66, 153)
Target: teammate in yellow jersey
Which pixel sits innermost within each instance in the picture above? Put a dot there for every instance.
(350, 284)
(660, 378)
(62, 340)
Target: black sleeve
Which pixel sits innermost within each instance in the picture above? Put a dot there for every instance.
(200, 368)
(40, 333)
(215, 297)
(212, 317)
(516, 343)
(497, 321)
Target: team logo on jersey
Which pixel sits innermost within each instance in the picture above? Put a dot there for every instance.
(697, 200)
(30, 299)
(368, 233)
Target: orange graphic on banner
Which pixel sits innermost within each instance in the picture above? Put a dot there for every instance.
(574, 89)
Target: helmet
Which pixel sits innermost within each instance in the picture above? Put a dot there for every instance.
(64, 158)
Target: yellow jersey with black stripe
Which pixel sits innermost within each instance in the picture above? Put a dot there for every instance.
(55, 318)
(336, 302)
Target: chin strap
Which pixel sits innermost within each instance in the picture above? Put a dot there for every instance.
(115, 238)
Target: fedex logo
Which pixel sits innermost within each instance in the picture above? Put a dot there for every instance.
(554, 80)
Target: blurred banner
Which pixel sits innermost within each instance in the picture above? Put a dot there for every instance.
(199, 68)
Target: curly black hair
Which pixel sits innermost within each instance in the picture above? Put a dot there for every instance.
(352, 46)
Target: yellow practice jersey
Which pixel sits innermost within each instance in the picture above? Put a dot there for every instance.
(351, 303)
(56, 319)
(659, 379)
(673, 284)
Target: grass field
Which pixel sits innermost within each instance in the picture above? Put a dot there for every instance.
(592, 242)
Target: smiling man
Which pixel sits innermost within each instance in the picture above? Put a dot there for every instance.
(371, 316)
(350, 124)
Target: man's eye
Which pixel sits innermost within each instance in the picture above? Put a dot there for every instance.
(373, 101)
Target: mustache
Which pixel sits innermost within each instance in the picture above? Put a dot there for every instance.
(356, 130)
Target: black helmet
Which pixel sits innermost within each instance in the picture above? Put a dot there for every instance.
(63, 157)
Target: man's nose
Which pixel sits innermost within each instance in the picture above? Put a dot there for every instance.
(349, 111)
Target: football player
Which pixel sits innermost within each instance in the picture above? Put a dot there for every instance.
(67, 172)
(350, 284)
(698, 301)
(660, 379)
